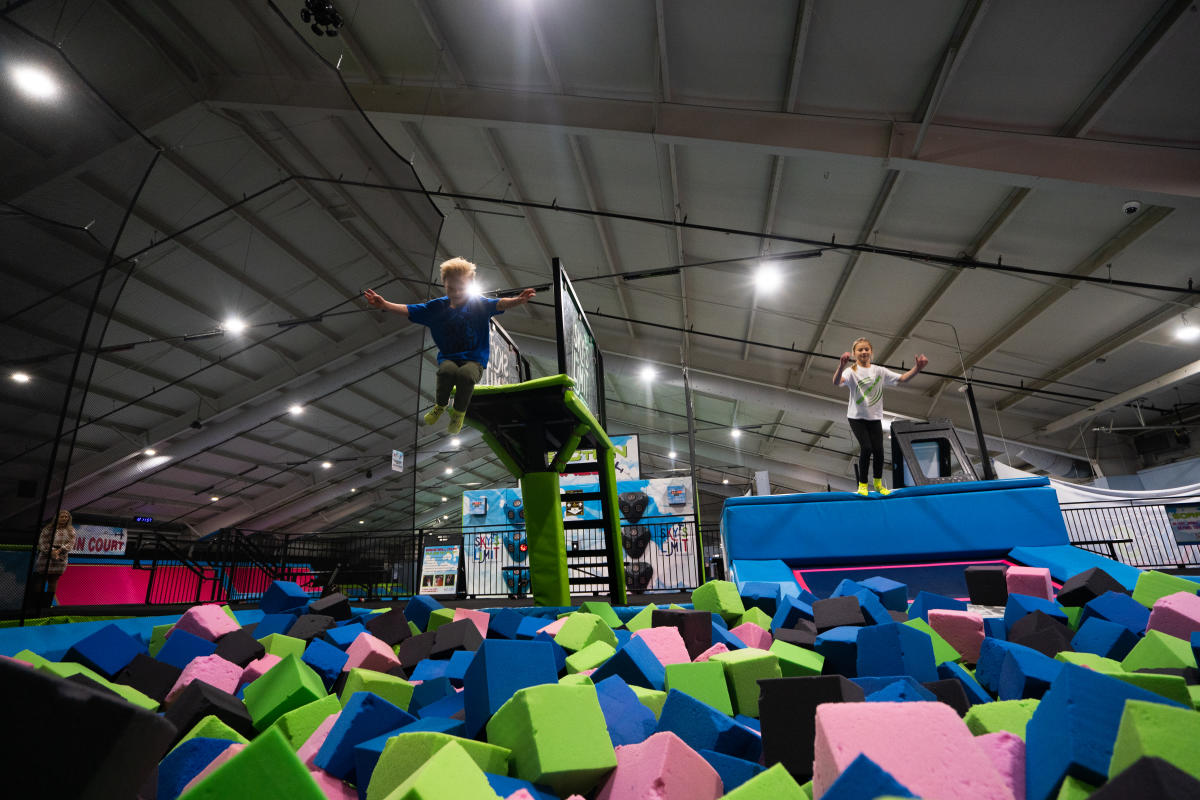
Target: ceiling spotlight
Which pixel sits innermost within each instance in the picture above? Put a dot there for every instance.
(455, 442)
(362, 522)
(724, 480)
(735, 433)
(768, 278)
(322, 17)
(233, 325)
(444, 499)
(296, 409)
(326, 464)
(214, 498)
(20, 377)
(672, 454)
(445, 516)
(149, 451)
(35, 82)
(648, 373)
(449, 470)
(1186, 332)
(353, 490)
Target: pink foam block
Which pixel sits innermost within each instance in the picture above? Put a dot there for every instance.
(753, 635)
(207, 621)
(520, 794)
(313, 743)
(1033, 581)
(213, 670)
(666, 644)
(554, 627)
(962, 630)
(226, 754)
(480, 618)
(1176, 615)
(331, 787)
(257, 668)
(1007, 753)
(369, 652)
(12, 660)
(662, 767)
(923, 745)
(719, 647)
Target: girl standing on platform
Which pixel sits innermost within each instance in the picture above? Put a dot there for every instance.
(865, 412)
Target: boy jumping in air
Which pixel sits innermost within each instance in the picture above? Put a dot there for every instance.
(459, 324)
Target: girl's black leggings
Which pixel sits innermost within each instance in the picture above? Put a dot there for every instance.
(870, 443)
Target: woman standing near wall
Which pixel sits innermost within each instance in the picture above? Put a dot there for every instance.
(54, 546)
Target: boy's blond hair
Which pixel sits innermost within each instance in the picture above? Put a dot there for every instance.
(457, 266)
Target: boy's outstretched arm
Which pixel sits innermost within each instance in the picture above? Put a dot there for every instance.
(524, 297)
(376, 300)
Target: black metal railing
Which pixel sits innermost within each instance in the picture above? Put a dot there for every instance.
(1132, 532)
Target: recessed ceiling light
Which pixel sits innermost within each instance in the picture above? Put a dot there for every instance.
(149, 451)
(353, 490)
(648, 373)
(35, 82)
(233, 325)
(214, 498)
(20, 377)
(449, 470)
(444, 499)
(455, 442)
(1188, 333)
(768, 278)
(672, 454)
(296, 409)
(362, 522)
(326, 464)
(735, 433)
(725, 480)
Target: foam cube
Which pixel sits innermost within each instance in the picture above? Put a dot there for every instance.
(986, 584)
(335, 605)
(448, 772)
(893, 595)
(343, 635)
(199, 700)
(1041, 632)
(288, 685)
(499, 669)
(895, 649)
(309, 626)
(636, 664)
(1157, 649)
(629, 722)
(1119, 608)
(1003, 715)
(774, 783)
(265, 768)
(695, 627)
(720, 597)
(1032, 581)
(419, 608)
(1086, 586)
(454, 636)
(1151, 585)
(213, 670)
(149, 676)
(950, 692)
(787, 707)
(107, 651)
(589, 657)
(1175, 614)
(208, 621)
(1154, 729)
(299, 724)
(839, 648)
(185, 762)
(182, 647)
(364, 717)
(704, 727)
(1149, 777)
(863, 779)
(391, 627)
(282, 645)
(836, 612)
(743, 670)
(927, 600)
(664, 767)
(368, 652)
(666, 643)
(281, 596)
(962, 630)
(1104, 638)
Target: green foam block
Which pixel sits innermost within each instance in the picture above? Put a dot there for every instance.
(1074, 789)
(1151, 585)
(796, 661)
(1108, 666)
(1001, 715)
(1172, 687)
(439, 617)
(299, 723)
(602, 610)
(942, 650)
(557, 735)
(1158, 649)
(720, 597)
(652, 699)
(211, 727)
(395, 690)
(282, 645)
(30, 657)
(581, 629)
(449, 772)
(703, 680)
(577, 679)
(285, 687)
(158, 637)
(406, 754)
(774, 783)
(590, 657)
(68, 668)
(743, 670)
(642, 619)
(757, 616)
(1162, 731)
(266, 769)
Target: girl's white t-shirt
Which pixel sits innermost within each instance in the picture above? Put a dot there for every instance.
(866, 390)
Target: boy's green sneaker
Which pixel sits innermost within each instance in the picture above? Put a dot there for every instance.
(862, 489)
(434, 414)
(879, 487)
(456, 421)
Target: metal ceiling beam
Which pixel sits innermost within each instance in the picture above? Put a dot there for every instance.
(1166, 381)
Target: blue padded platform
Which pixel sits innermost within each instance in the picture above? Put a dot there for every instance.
(963, 520)
(1065, 561)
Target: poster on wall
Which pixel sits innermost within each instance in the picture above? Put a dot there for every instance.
(657, 534)
(93, 540)
(626, 463)
(1185, 522)
(439, 566)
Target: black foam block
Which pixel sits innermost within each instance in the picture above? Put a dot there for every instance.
(339, 684)
(898, 616)
(69, 740)
(950, 691)
(835, 612)
(334, 605)
(390, 627)
(1041, 632)
(1149, 777)
(149, 676)
(1081, 589)
(461, 634)
(198, 701)
(414, 649)
(240, 648)
(310, 626)
(987, 584)
(1190, 675)
(694, 626)
(787, 709)
(802, 638)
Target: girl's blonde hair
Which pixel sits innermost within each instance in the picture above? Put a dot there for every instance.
(861, 339)
(457, 266)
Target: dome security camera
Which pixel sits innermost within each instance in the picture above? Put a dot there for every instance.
(1131, 207)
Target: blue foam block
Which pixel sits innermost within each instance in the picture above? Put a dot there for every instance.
(1119, 608)
(1026, 673)
(418, 609)
(1195, 643)
(1074, 727)
(895, 649)
(344, 635)
(703, 727)
(839, 646)
(991, 660)
(560, 655)
(636, 664)
(366, 757)
(451, 706)
(723, 636)
(872, 609)
(274, 623)
(893, 594)
(185, 762)
(365, 716)
(529, 627)
(864, 780)
(993, 628)
(927, 600)
(733, 772)
(791, 610)
(623, 636)
(504, 623)
(628, 720)
(1104, 638)
(282, 596)
(1019, 605)
(504, 786)
(107, 651)
(748, 722)
(429, 692)
(429, 668)
(454, 727)
(456, 668)
(718, 620)
(181, 647)
(760, 594)
(975, 692)
(501, 667)
(325, 659)
(909, 688)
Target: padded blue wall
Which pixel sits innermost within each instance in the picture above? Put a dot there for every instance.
(978, 518)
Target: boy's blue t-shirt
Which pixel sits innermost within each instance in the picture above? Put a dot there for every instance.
(461, 334)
